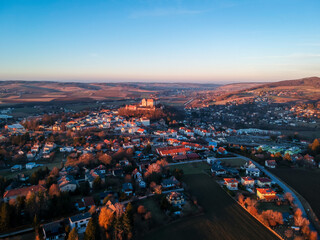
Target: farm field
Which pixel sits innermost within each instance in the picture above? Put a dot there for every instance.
(192, 168)
(233, 162)
(223, 218)
(305, 181)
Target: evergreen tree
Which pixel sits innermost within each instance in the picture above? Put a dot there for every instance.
(127, 225)
(129, 211)
(4, 217)
(118, 229)
(73, 235)
(92, 230)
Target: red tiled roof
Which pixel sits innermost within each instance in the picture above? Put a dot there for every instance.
(230, 180)
(264, 180)
(266, 191)
(271, 197)
(23, 191)
(247, 179)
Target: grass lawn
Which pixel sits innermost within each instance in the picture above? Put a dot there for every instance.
(152, 205)
(233, 162)
(223, 217)
(192, 168)
(272, 206)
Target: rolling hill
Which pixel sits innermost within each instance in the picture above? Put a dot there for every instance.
(302, 90)
(13, 92)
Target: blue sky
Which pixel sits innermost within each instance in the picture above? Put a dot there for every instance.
(159, 40)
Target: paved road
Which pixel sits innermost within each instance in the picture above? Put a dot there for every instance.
(16, 233)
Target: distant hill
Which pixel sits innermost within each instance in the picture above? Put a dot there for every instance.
(12, 92)
(299, 90)
(238, 86)
(305, 82)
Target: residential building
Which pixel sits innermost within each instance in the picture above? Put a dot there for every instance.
(67, 183)
(176, 199)
(270, 163)
(264, 182)
(247, 182)
(80, 221)
(14, 193)
(231, 183)
(253, 172)
(54, 230)
(266, 194)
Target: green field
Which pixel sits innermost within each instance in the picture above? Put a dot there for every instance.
(223, 217)
(233, 162)
(192, 168)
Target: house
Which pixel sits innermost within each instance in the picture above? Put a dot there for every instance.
(231, 183)
(19, 192)
(66, 149)
(145, 121)
(249, 165)
(169, 183)
(67, 183)
(16, 168)
(80, 221)
(127, 145)
(31, 165)
(127, 189)
(142, 184)
(124, 162)
(213, 144)
(30, 155)
(193, 156)
(179, 158)
(141, 131)
(222, 151)
(247, 182)
(91, 175)
(54, 230)
(254, 172)
(138, 176)
(85, 203)
(232, 171)
(211, 160)
(15, 128)
(217, 170)
(176, 199)
(22, 177)
(117, 172)
(264, 182)
(270, 163)
(266, 194)
(172, 151)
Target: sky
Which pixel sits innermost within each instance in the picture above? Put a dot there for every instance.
(159, 40)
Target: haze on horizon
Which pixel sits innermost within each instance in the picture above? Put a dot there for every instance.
(159, 40)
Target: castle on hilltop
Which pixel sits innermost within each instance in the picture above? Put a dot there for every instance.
(150, 102)
(147, 104)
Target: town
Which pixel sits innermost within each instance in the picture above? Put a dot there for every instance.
(119, 172)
